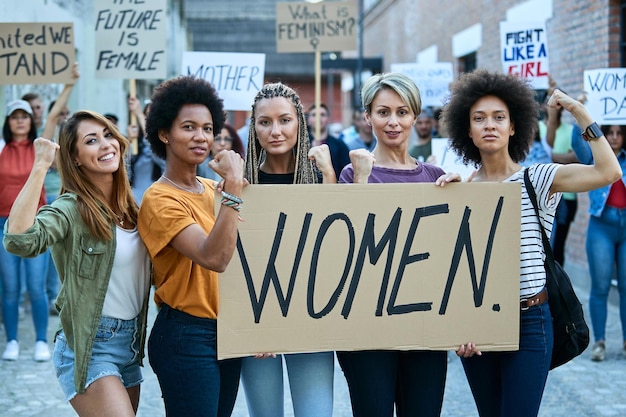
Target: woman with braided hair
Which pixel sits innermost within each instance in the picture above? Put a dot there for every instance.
(279, 153)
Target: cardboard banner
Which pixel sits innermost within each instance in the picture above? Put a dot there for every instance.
(375, 266)
(131, 37)
(605, 89)
(238, 77)
(310, 27)
(524, 47)
(433, 80)
(36, 53)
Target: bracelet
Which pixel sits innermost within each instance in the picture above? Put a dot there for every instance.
(231, 197)
(231, 204)
(235, 206)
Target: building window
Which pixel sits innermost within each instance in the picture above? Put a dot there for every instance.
(467, 63)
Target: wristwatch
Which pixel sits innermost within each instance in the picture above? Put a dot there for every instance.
(593, 131)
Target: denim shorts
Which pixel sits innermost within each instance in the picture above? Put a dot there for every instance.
(115, 352)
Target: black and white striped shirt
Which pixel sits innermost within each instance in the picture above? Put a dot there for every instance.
(532, 255)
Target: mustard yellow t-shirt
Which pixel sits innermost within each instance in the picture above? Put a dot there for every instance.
(181, 284)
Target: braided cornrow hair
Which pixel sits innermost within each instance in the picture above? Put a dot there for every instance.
(305, 172)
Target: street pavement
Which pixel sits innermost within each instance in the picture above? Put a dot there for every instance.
(579, 388)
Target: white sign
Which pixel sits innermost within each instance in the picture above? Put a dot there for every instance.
(433, 80)
(524, 47)
(131, 37)
(605, 89)
(237, 77)
(448, 160)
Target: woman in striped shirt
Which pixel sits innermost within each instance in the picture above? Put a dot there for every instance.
(491, 119)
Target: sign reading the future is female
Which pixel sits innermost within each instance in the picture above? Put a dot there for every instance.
(131, 37)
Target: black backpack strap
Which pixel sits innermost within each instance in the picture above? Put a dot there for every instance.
(546, 242)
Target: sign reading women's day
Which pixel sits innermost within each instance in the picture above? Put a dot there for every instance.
(310, 27)
(524, 47)
(372, 266)
(605, 89)
(36, 53)
(433, 80)
(237, 77)
(131, 37)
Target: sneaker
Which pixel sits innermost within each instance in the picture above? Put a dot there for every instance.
(597, 352)
(12, 351)
(42, 353)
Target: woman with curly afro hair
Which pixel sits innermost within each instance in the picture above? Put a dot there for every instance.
(189, 245)
(491, 119)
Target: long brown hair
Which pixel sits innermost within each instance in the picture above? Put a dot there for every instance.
(304, 170)
(92, 204)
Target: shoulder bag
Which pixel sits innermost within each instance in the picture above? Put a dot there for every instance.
(571, 333)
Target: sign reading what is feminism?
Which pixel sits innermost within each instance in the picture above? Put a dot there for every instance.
(375, 266)
(131, 36)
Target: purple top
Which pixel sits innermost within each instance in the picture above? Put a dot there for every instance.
(421, 173)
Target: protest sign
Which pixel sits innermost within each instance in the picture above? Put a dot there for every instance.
(237, 77)
(375, 266)
(131, 37)
(524, 47)
(309, 27)
(446, 159)
(36, 53)
(433, 80)
(605, 90)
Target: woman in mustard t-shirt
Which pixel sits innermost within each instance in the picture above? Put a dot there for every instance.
(189, 245)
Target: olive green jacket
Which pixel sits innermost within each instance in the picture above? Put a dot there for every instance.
(84, 263)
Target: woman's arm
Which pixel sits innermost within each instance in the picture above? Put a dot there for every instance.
(577, 177)
(24, 209)
(215, 251)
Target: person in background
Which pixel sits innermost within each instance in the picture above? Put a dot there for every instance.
(38, 108)
(103, 265)
(491, 119)
(189, 244)
(145, 167)
(112, 118)
(227, 139)
(16, 161)
(278, 130)
(364, 137)
(558, 136)
(58, 113)
(412, 381)
(339, 151)
(606, 238)
(422, 150)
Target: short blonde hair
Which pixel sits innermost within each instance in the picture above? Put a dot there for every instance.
(400, 83)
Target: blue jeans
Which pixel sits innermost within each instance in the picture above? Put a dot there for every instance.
(34, 270)
(183, 354)
(412, 380)
(606, 250)
(563, 218)
(115, 352)
(311, 378)
(510, 384)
